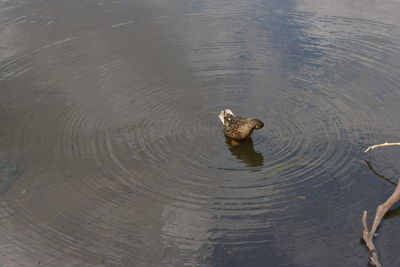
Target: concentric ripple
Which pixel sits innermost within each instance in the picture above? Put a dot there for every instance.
(113, 112)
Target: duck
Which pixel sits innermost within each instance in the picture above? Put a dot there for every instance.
(238, 128)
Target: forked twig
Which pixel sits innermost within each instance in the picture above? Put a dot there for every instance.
(381, 145)
(380, 212)
(369, 243)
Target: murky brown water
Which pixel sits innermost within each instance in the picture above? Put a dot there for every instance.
(112, 152)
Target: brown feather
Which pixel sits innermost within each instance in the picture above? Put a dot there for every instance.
(239, 128)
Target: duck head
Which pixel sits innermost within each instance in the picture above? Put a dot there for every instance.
(225, 113)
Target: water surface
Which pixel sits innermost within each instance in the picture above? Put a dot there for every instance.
(111, 107)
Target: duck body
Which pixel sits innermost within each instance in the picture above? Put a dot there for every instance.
(237, 127)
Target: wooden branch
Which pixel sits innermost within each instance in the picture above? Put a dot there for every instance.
(383, 208)
(381, 145)
(369, 243)
(369, 235)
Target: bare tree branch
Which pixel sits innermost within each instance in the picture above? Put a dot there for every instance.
(369, 243)
(381, 210)
(381, 145)
(369, 235)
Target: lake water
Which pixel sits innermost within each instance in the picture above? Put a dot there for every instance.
(113, 153)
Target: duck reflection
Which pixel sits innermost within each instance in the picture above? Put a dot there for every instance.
(244, 151)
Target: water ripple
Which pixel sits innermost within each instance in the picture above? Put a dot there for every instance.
(123, 141)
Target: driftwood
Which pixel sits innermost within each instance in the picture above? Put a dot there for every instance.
(369, 235)
(381, 145)
(380, 212)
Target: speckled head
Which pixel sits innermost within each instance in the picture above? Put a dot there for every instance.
(223, 114)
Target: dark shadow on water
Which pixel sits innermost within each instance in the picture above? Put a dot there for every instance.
(393, 213)
(245, 152)
(369, 164)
